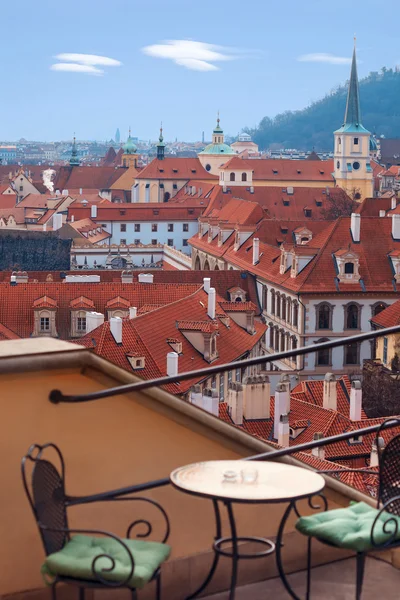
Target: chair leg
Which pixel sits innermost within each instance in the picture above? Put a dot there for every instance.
(81, 593)
(360, 574)
(53, 591)
(133, 594)
(158, 587)
(308, 590)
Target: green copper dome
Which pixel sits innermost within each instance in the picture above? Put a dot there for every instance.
(129, 147)
(217, 149)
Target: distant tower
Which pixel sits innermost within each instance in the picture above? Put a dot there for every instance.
(74, 160)
(117, 136)
(160, 146)
(352, 163)
(216, 153)
(202, 138)
(130, 156)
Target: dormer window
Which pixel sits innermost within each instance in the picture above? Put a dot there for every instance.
(136, 362)
(348, 266)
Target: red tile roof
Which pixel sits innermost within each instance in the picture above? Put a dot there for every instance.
(237, 306)
(88, 230)
(7, 334)
(95, 178)
(138, 212)
(283, 169)
(176, 168)
(389, 317)
(83, 303)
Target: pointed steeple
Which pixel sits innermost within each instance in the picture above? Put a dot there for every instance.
(353, 114)
(74, 161)
(161, 145)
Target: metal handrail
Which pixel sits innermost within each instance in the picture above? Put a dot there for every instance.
(57, 396)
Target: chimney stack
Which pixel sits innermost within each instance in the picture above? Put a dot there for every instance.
(396, 227)
(206, 284)
(318, 452)
(116, 329)
(256, 250)
(281, 406)
(256, 397)
(235, 402)
(72, 218)
(13, 280)
(93, 320)
(211, 303)
(127, 277)
(375, 451)
(393, 202)
(283, 431)
(145, 277)
(210, 401)
(196, 396)
(355, 226)
(80, 191)
(382, 213)
(172, 364)
(93, 211)
(132, 312)
(285, 381)
(330, 392)
(355, 401)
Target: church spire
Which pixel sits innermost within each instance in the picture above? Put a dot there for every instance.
(161, 145)
(353, 113)
(74, 161)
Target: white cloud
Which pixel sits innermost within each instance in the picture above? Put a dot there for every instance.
(323, 57)
(197, 56)
(75, 68)
(83, 63)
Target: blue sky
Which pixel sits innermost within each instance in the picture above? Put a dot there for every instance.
(263, 41)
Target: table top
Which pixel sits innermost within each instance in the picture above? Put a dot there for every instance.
(247, 481)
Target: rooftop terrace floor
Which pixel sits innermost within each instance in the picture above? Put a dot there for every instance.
(334, 581)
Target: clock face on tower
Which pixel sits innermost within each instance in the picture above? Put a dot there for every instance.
(356, 165)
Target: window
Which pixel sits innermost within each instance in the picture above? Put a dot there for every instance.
(185, 227)
(170, 226)
(184, 242)
(323, 356)
(356, 165)
(385, 350)
(229, 377)
(356, 141)
(338, 165)
(271, 336)
(238, 375)
(307, 212)
(272, 302)
(232, 177)
(137, 227)
(351, 354)
(81, 324)
(174, 186)
(122, 241)
(352, 317)
(154, 242)
(324, 316)
(170, 242)
(244, 176)
(221, 386)
(264, 297)
(123, 227)
(44, 323)
(278, 305)
(283, 311)
(379, 307)
(21, 188)
(154, 227)
(349, 268)
(136, 242)
(208, 167)
(295, 314)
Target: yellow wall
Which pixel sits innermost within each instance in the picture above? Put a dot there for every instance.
(277, 183)
(393, 342)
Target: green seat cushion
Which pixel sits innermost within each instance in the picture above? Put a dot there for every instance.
(76, 559)
(350, 527)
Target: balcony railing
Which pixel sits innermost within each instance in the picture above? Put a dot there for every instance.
(56, 396)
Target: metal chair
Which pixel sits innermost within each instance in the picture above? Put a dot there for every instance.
(45, 489)
(385, 530)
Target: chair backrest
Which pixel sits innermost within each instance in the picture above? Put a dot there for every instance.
(44, 487)
(389, 476)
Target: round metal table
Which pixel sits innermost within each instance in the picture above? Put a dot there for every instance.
(240, 481)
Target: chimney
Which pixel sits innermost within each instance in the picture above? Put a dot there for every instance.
(206, 284)
(393, 202)
(320, 451)
(283, 431)
(13, 280)
(93, 320)
(57, 221)
(172, 364)
(355, 226)
(256, 397)
(132, 312)
(211, 303)
(80, 191)
(251, 189)
(382, 213)
(93, 211)
(355, 401)
(396, 227)
(116, 329)
(374, 456)
(235, 401)
(285, 381)
(281, 406)
(72, 218)
(330, 392)
(127, 277)
(196, 397)
(145, 278)
(256, 250)
(210, 401)
(44, 226)
(65, 192)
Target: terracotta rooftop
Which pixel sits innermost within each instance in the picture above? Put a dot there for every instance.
(176, 168)
(97, 178)
(389, 317)
(283, 169)
(138, 212)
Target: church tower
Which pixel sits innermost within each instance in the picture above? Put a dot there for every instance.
(130, 155)
(74, 160)
(352, 164)
(161, 146)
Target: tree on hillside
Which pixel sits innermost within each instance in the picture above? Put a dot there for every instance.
(339, 205)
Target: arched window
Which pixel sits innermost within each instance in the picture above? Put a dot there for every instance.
(272, 302)
(323, 356)
(283, 311)
(352, 354)
(278, 304)
(244, 176)
(352, 317)
(289, 311)
(349, 268)
(216, 268)
(295, 314)
(167, 196)
(232, 177)
(197, 264)
(206, 265)
(264, 297)
(339, 143)
(271, 335)
(324, 316)
(377, 308)
(294, 344)
(283, 337)
(276, 340)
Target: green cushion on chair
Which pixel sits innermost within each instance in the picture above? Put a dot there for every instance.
(349, 527)
(76, 558)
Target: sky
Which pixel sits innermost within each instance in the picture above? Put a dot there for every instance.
(91, 66)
